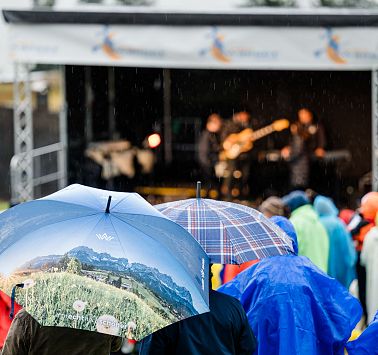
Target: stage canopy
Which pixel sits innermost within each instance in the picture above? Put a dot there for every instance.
(168, 37)
(266, 39)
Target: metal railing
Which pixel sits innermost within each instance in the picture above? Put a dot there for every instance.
(34, 156)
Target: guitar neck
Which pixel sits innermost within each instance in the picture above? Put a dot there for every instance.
(260, 133)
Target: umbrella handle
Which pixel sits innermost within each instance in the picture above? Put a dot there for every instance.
(13, 296)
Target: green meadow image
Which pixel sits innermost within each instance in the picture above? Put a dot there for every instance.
(65, 291)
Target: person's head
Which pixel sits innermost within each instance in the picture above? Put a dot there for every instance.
(369, 205)
(242, 117)
(324, 206)
(214, 123)
(295, 200)
(305, 116)
(272, 206)
(311, 194)
(288, 228)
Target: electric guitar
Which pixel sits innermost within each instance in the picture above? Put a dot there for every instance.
(242, 142)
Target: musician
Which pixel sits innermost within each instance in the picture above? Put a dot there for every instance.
(307, 139)
(209, 148)
(238, 170)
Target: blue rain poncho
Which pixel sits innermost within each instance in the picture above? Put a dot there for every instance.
(295, 308)
(342, 255)
(367, 342)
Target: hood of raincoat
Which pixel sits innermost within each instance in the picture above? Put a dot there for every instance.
(295, 200)
(324, 206)
(288, 228)
(367, 342)
(305, 212)
(342, 255)
(369, 205)
(308, 312)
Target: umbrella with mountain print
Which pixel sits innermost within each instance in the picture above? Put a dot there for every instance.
(102, 261)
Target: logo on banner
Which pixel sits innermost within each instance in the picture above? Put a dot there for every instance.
(225, 54)
(217, 49)
(332, 48)
(336, 52)
(115, 52)
(107, 44)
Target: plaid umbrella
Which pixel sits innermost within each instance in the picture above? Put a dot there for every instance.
(229, 233)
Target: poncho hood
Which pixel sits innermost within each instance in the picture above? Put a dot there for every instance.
(325, 207)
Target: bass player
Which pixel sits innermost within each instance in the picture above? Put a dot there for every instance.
(307, 139)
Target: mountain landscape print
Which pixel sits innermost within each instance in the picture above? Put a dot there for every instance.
(102, 261)
(90, 290)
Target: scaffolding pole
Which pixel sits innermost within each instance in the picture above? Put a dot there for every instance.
(22, 181)
(374, 130)
(167, 116)
(62, 153)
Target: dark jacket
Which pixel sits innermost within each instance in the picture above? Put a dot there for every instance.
(222, 331)
(303, 144)
(27, 337)
(208, 149)
(5, 322)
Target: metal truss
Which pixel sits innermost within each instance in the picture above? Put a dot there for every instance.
(26, 164)
(22, 174)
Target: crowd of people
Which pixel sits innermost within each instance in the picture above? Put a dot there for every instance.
(301, 304)
(291, 304)
(341, 243)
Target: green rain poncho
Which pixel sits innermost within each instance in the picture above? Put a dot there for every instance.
(312, 237)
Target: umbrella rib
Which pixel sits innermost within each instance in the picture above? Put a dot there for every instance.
(231, 242)
(64, 202)
(119, 240)
(95, 226)
(138, 229)
(122, 200)
(233, 247)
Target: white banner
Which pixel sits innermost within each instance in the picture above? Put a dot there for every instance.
(196, 47)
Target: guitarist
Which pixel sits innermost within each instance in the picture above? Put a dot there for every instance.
(238, 170)
(307, 139)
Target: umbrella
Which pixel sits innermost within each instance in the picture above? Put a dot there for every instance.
(230, 233)
(102, 261)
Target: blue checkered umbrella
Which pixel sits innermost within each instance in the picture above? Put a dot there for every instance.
(229, 233)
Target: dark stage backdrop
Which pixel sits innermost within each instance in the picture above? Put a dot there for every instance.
(340, 100)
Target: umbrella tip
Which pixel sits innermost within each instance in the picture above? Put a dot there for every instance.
(198, 193)
(108, 205)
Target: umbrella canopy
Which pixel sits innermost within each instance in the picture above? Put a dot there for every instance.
(230, 233)
(103, 261)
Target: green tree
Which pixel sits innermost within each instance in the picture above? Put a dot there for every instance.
(118, 283)
(272, 3)
(64, 262)
(349, 3)
(74, 266)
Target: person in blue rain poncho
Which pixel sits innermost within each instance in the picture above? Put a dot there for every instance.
(292, 306)
(367, 342)
(342, 255)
